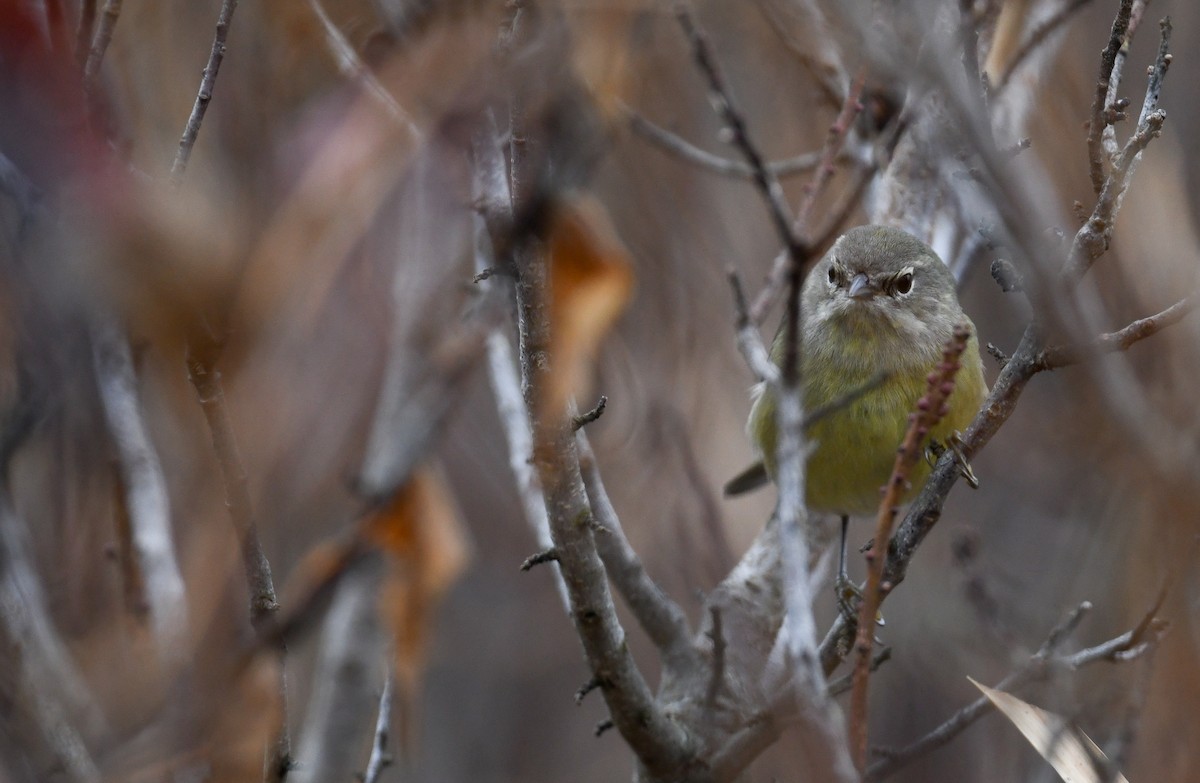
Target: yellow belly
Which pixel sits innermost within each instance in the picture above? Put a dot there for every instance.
(854, 449)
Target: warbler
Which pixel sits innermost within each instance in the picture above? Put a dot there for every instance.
(876, 312)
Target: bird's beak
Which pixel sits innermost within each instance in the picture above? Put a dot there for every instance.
(861, 287)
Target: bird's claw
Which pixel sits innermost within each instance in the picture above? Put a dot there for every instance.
(954, 443)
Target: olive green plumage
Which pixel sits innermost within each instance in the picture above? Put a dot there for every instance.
(880, 300)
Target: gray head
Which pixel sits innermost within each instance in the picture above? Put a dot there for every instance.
(878, 280)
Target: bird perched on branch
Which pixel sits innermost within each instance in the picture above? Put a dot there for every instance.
(875, 314)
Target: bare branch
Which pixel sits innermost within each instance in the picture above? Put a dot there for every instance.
(1098, 121)
(1036, 39)
(660, 617)
(929, 411)
(1038, 668)
(380, 759)
(204, 94)
(346, 679)
(145, 487)
(103, 36)
(1054, 357)
(352, 67)
(586, 418)
(684, 150)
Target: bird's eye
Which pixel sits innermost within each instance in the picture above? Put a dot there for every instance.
(904, 283)
(833, 275)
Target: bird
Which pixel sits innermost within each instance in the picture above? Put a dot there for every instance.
(876, 312)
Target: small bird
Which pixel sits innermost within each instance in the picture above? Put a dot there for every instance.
(876, 312)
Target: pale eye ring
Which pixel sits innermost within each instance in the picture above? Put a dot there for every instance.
(904, 283)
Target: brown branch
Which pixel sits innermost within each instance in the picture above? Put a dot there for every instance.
(1036, 39)
(834, 140)
(204, 95)
(660, 617)
(688, 152)
(929, 411)
(1054, 357)
(1099, 121)
(767, 182)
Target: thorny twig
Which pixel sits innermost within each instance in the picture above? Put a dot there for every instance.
(929, 411)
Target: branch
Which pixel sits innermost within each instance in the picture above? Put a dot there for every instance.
(207, 80)
(145, 487)
(686, 151)
(100, 41)
(1038, 668)
(767, 183)
(660, 617)
(352, 645)
(1036, 39)
(1054, 357)
(929, 411)
(380, 759)
(1099, 121)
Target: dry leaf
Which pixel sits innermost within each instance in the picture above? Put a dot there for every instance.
(591, 279)
(1059, 743)
(426, 545)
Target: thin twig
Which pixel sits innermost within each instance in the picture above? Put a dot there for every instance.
(100, 41)
(380, 759)
(85, 31)
(686, 151)
(1098, 120)
(834, 140)
(1039, 666)
(767, 182)
(352, 67)
(586, 418)
(204, 95)
(661, 618)
(929, 411)
(1114, 105)
(1054, 357)
(1036, 39)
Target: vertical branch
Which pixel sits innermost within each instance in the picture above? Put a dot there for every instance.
(204, 94)
(103, 36)
(380, 759)
(1099, 121)
(929, 412)
(346, 677)
(145, 487)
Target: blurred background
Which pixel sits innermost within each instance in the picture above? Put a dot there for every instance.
(323, 233)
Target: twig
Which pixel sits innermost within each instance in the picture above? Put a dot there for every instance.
(1037, 668)
(586, 418)
(352, 67)
(717, 679)
(928, 413)
(846, 681)
(145, 487)
(749, 341)
(834, 139)
(352, 645)
(1036, 39)
(1114, 105)
(58, 691)
(1098, 120)
(684, 150)
(829, 78)
(767, 182)
(545, 556)
(380, 759)
(209, 78)
(206, 380)
(103, 36)
(847, 399)
(660, 617)
(83, 34)
(1054, 357)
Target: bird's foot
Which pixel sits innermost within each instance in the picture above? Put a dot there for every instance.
(954, 443)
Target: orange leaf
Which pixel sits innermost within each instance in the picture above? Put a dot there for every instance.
(426, 545)
(591, 279)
